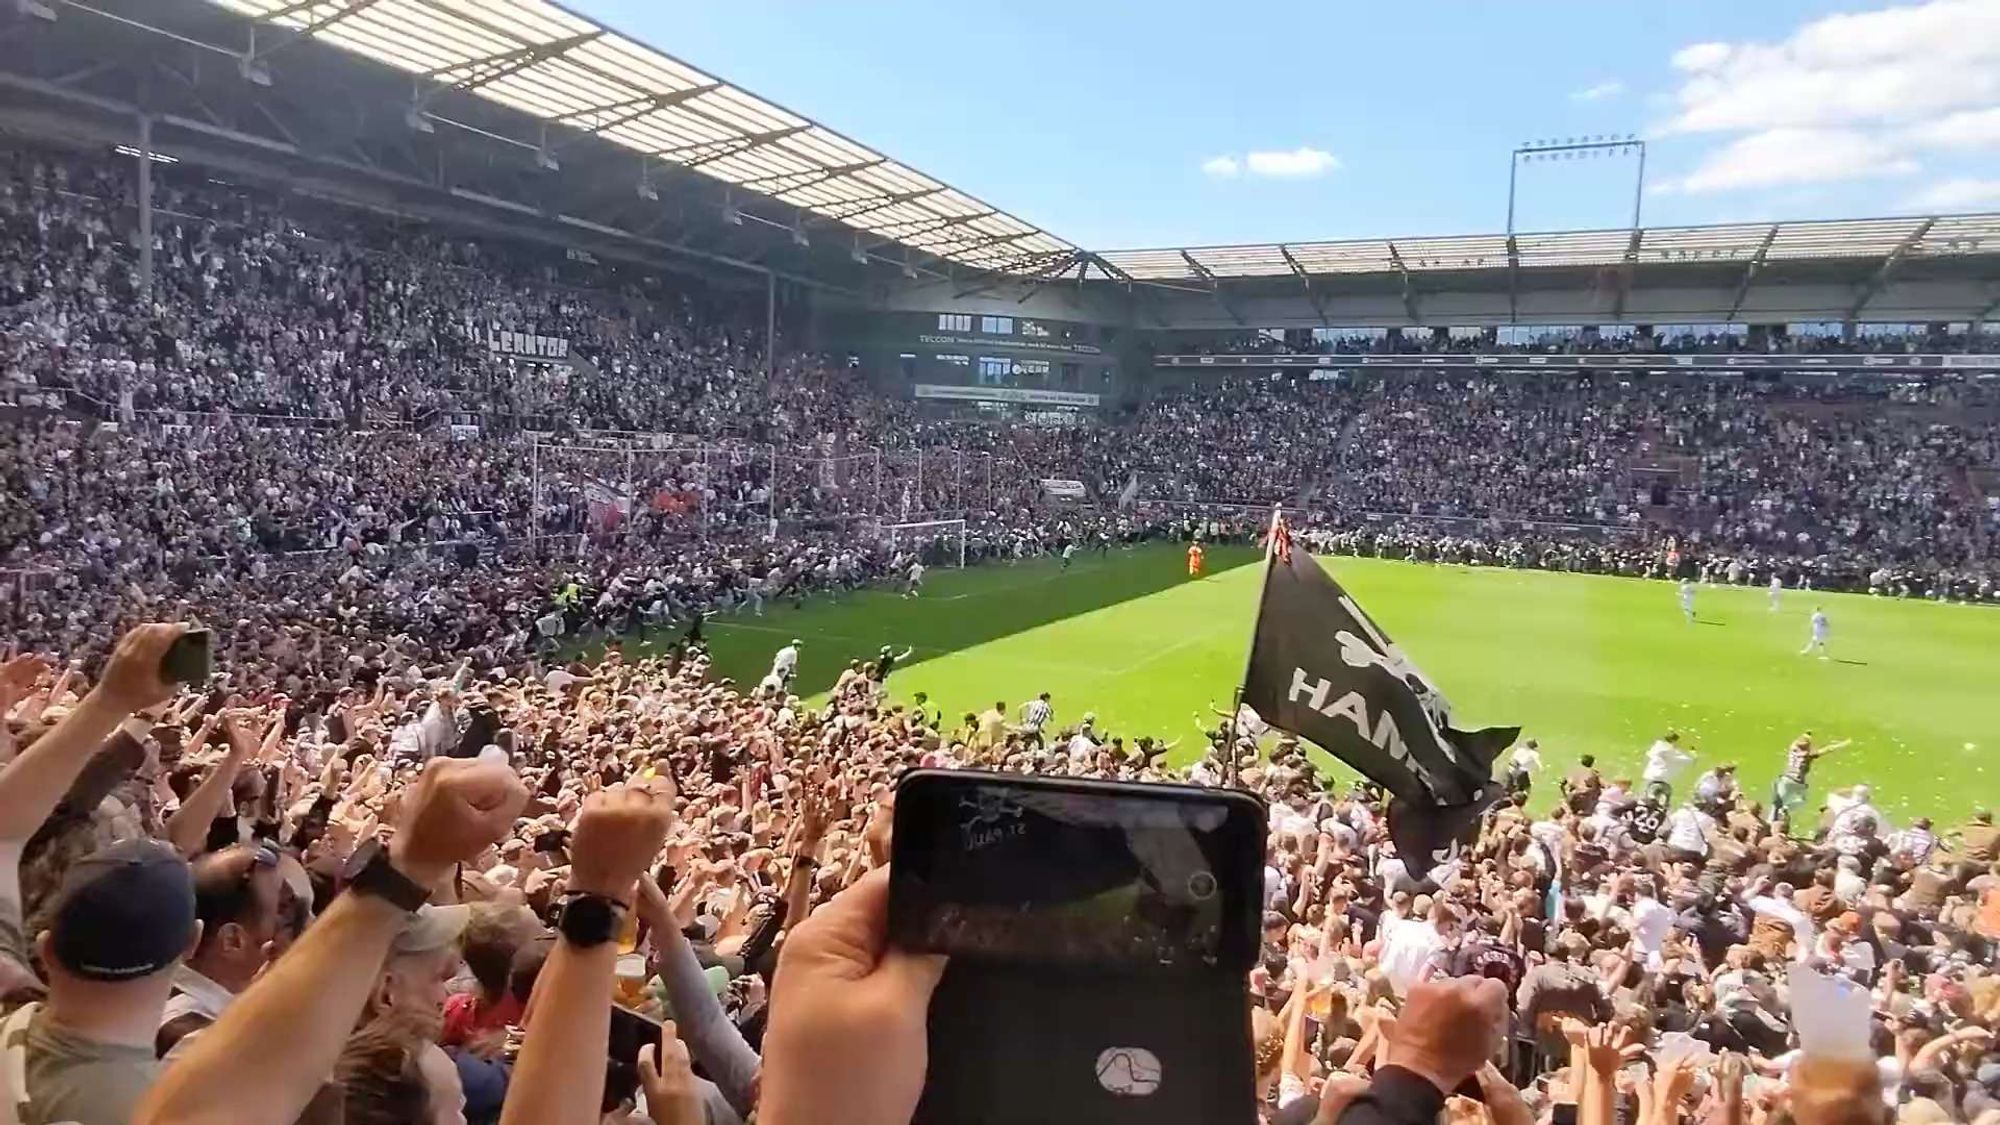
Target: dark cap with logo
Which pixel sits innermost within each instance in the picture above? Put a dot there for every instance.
(126, 911)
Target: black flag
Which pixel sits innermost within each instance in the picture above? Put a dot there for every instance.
(1322, 670)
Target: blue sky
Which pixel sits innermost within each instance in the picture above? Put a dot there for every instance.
(1181, 122)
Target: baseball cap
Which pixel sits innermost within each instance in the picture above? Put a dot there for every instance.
(430, 929)
(126, 911)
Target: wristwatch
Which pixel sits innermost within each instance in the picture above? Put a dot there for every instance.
(369, 871)
(589, 920)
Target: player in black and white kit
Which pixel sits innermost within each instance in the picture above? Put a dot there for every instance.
(1035, 716)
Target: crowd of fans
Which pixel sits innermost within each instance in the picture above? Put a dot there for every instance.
(209, 892)
(1736, 340)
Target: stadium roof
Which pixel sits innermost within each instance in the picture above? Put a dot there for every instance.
(561, 68)
(1914, 237)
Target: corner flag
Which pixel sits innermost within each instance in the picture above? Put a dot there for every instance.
(1320, 668)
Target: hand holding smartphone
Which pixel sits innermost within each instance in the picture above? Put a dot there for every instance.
(1100, 937)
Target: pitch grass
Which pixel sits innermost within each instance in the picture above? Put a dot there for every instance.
(1585, 664)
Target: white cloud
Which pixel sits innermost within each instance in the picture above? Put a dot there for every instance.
(1302, 162)
(1701, 56)
(1962, 194)
(1972, 128)
(1598, 92)
(1886, 67)
(1849, 96)
(1795, 156)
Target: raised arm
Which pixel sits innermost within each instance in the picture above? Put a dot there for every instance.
(311, 997)
(559, 1079)
(187, 829)
(716, 1042)
(32, 784)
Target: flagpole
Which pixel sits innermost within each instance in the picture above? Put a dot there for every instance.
(1231, 769)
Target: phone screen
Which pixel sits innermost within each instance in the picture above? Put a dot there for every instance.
(1051, 870)
(630, 1031)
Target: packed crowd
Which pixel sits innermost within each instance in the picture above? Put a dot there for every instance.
(333, 881)
(199, 877)
(1664, 340)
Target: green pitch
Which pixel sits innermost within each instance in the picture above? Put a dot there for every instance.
(1585, 664)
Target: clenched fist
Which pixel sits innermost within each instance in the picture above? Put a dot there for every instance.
(617, 836)
(457, 809)
(1448, 1029)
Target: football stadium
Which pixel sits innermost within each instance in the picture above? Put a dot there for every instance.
(503, 524)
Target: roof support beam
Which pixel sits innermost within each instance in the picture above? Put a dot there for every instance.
(1513, 280)
(492, 68)
(812, 178)
(916, 228)
(1409, 290)
(876, 203)
(286, 38)
(1750, 271)
(632, 109)
(1214, 287)
(1880, 278)
(1041, 276)
(1305, 282)
(961, 245)
(694, 156)
(1626, 273)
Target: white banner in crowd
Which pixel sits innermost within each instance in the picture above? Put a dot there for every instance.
(1064, 489)
(527, 345)
(1024, 395)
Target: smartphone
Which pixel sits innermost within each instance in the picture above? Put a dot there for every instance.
(1029, 870)
(1100, 936)
(630, 1032)
(190, 659)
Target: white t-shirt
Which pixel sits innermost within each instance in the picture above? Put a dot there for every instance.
(1687, 830)
(559, 680)
(1651, 923)
(1407, 946)
(1664, 760)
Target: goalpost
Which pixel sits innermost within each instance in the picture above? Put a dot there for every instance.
(936, 542)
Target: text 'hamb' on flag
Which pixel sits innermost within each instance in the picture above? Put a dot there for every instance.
(1320, 668)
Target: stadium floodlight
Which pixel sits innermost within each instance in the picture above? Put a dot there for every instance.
(418, 121)
(546, 161)
(731, 216)
(799, 237)
(1586, 147)
(859, 255)
(253, 71)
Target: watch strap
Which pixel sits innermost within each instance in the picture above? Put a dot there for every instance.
(379, 877)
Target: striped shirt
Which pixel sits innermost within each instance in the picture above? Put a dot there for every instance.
(1035, 713)
(1798, 763)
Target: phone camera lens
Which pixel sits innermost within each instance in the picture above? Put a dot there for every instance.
(1201, 885)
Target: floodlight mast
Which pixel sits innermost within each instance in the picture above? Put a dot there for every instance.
(1576, 147)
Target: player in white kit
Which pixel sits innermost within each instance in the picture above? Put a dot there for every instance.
(1687, 600)
(1777, 591)
(1819, 631)
(915, 582)
(785, 664)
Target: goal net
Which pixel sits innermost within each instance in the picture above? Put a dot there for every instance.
(936, 542)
